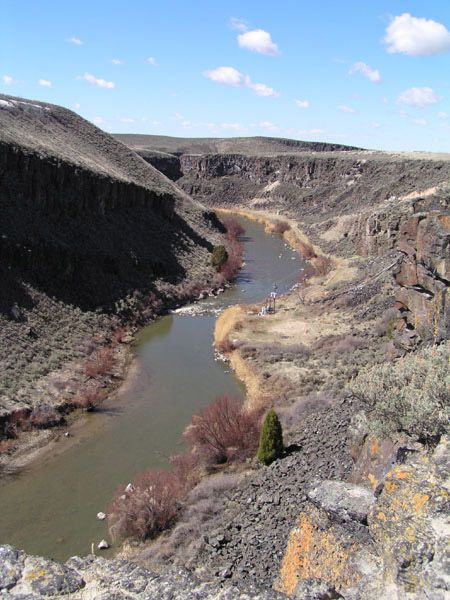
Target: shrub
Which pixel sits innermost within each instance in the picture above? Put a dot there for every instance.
(89, 397)
(148, 508)
(223, 431)
(101, 363)
(280, 227)
(43, 416)
(219, 257)
(225, 345)
(233, 227)
(271, 441)
(410, 396)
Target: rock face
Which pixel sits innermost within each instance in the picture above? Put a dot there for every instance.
(31, 577)
(398, 551)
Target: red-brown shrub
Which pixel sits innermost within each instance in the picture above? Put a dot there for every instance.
(280, 227)
(323, 265)
(148, 508)
(101, 363)
(89, 397)
(43, 416)
(223, 431)
(233, 227)
(225, 346)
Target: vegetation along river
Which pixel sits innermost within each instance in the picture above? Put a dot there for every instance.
(50, 508)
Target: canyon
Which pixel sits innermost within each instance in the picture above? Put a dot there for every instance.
(91, 223)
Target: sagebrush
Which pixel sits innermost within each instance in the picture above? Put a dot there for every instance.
(409, 396)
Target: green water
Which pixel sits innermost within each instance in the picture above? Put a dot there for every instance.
(50, 508)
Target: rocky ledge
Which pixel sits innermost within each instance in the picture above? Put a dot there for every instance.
(27, 577)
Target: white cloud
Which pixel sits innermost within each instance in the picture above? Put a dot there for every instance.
(77, 105)
(346, 109)
(98, 121)
(419, 121)
(127, 120)
(45, 83)
(226, 75)
(228, 125)
(260, 89)
(310, 131)
(442, 115)
(416, 36)
(98, 82)
(151, 60)
(75, 41)
(420, 97)
(302, 103)
(186, 124)
(268, 125)
(258, 40)
(375, 125)
(238, 24)
(7, 80)
(364, 69)
(116, 61)
(231, 76)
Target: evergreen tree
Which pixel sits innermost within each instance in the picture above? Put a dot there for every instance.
(219, 257)
(271, 439)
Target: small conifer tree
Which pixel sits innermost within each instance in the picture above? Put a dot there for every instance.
(271, 439)
(219, 257)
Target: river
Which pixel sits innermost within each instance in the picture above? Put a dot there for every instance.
(50, 508)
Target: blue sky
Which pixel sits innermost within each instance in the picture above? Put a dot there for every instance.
(372, 74)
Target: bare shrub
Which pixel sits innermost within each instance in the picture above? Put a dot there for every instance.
(411, 395)
(233, 227)
(323, 265)
(223, 431)
(225, 345)
(348, 344)
(44, 416)
(292, 415)
(89, 397)
(280, 227)
(101, 363)
(148, 508)
(386, 324)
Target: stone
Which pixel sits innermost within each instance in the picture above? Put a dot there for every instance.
(101, 516)
(345, 501)
(103, 545)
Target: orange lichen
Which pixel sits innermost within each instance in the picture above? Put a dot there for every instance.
(381, 516)
(316, 553)
(372, 480)
(419, 501)
(374, 447)
(390, 486)
(402, 474)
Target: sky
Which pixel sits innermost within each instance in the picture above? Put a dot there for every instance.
(371, 73)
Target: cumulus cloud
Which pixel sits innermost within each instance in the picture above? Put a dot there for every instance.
(98, 82)
(268, 125)
(226, 75)
(258, 40)
(98, 121)
(302, 103)
(77, 105)
(75, 41)
(346, 109)
(45, 83)
(231, 76)
(234, 126)
(416, 36)
(419, 121)
(375, 125)
(442, 115)
(7, 80)
(364, 69)
(128, 120)
(116, 61)
(238, 24)
(314, 131)
(260, 89)
(151, 60)
(419, 97)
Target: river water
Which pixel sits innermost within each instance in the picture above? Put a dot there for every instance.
(50, 508)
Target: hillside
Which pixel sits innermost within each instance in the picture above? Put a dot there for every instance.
(238, 145)
(88, 229)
